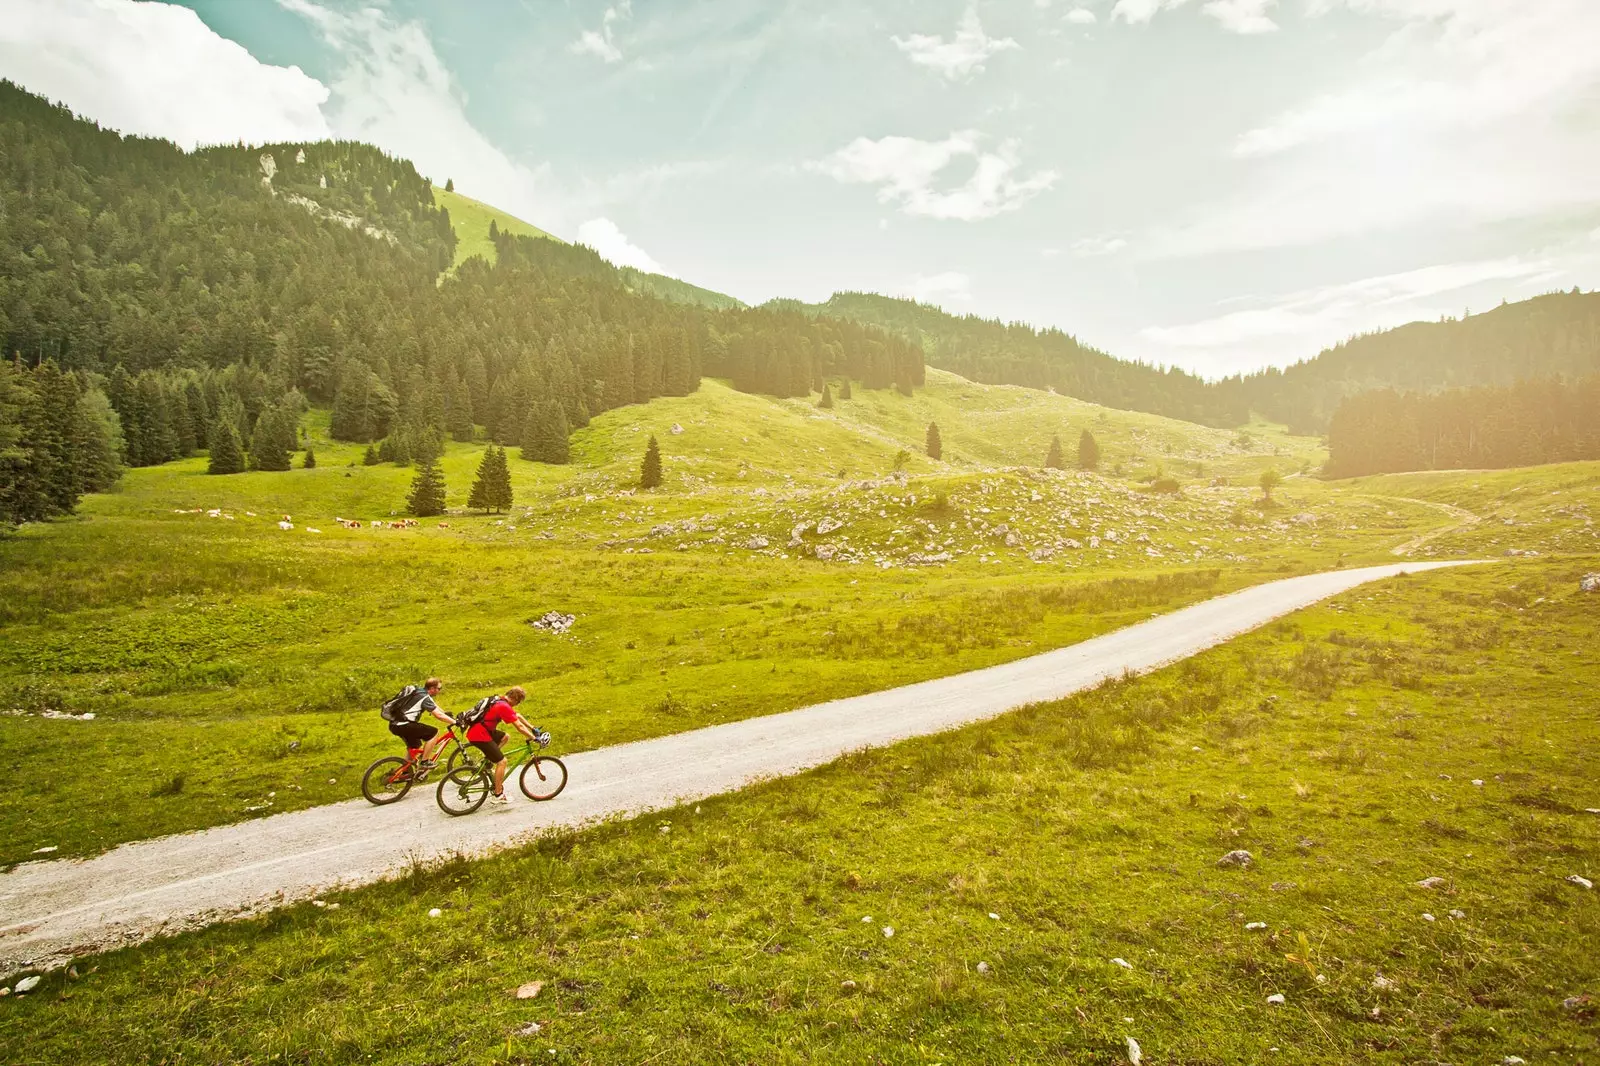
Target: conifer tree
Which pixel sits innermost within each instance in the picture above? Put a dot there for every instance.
(935, 446)
(267, 451)
(310, 461)
(480, 497)
(450, 186)
(370, 457)
(428, 447)
(650, 470)
(226, 455)
(1053, 459)
(844, 388)
(427, 492)
(500, 482)
(1088, 452)
(826, 402)
(557, 447)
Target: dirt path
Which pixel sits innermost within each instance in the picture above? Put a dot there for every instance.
(1463, 519)
(50, 911)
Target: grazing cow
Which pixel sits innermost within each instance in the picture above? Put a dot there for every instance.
(286, 525)
(376, 524)
(444, 525)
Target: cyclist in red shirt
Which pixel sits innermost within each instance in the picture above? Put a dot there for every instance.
(487, 737)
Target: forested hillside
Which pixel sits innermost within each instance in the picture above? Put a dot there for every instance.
(1556, 335)
(1384, 431)
(200, 291)
(996, 353)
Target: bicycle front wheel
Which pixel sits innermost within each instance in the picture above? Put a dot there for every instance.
(543, 777)
(464, 755)
(463, 790)
(386, 780)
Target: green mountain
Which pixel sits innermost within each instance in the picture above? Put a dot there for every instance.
(998, 353)
(1550, 336)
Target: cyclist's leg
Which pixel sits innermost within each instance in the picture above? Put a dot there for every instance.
(403, 730)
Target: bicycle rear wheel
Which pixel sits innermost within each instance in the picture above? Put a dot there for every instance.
(387, 780)
(543, 777)
(463, 790)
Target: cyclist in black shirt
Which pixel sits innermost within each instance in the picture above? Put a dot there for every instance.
(420, 737)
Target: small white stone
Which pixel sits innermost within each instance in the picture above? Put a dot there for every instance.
(1276, 997)
(1458, 914)
(435, 913)
(983, 967)
(1513, 1060)
(888, 931)
(1255, 925)
(1581, 882)
(1431, 882)
(1135, 1056)
(1381, 983)
(994, 916)
(1124, 963)
(1428, 917)
(45, 850)
(866, 918)
(1478, 781)
(28, 984)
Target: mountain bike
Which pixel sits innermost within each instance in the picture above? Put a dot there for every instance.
(391, 777)
(467, 787)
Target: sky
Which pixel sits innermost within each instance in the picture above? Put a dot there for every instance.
(1219, 185)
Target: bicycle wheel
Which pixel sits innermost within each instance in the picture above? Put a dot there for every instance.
(543, 777)
(386, 780)
(464, 755)
(463, 790)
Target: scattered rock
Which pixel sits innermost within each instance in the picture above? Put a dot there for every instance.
(888, 931)
(1478, 781)
(1581, 882)
(676, 429)
(993, 916)
(847, 986)
(983, 968)
(1458, 915)
(1124, 963)
(1135, 1055)
(1255, 925)
(1513, 1060)
(1276, 998)
(1240, 858)
(529, 990)
(1381, 983)
(46, 850)
(435, 913)
(554, 622)
(28, 984)
(1428, 917)
(527, 1029)
(1570, 1003)
(1431, 882)
(1590, 583)
(1284, 886)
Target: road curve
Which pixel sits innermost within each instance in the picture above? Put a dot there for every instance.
(50, 911)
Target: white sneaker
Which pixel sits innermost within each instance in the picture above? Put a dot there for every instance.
(501, 800)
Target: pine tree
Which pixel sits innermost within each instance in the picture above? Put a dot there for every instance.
(935, 446)
(557, 447)
(226, 455)
(844, 389)
(1053, 459)
(480, 498)
(650, 470)
(427, 492)
(428, 448)
(500, 482)
(310, 461)
(266, 444)
(450, 186)
(826, 403)
(1088, 452)
(370, 457)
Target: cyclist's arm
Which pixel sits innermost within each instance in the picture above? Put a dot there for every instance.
(523, 727)
(442, 716)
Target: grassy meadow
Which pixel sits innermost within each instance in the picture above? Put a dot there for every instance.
(794, 555)
(470, 219)
(1440, 726)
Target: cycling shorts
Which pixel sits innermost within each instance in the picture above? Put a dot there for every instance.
(415, 734)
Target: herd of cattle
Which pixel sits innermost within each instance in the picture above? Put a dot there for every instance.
(287, 522)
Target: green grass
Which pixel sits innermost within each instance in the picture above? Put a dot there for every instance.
(470, 219)
(245, 663)
(1339, 746)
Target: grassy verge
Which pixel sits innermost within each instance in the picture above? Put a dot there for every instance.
(1440, 726)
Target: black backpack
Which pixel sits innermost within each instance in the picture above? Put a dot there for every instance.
(394, 709)
(479, 709)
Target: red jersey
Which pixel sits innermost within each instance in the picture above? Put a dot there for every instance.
(499, 711)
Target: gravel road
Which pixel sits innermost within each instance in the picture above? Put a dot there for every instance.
(50, 911)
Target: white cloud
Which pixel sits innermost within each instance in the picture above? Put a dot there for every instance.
(1081, 16)
(962, 55)
(949, 286)
(1089, 247)
(1470, 112)
(1049, 253)
(393, 90)
(1236, 16)
(906, 169)
(156, 70)
(1242, 16)
(603, 236)
(601, 43)
(1298, 324)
